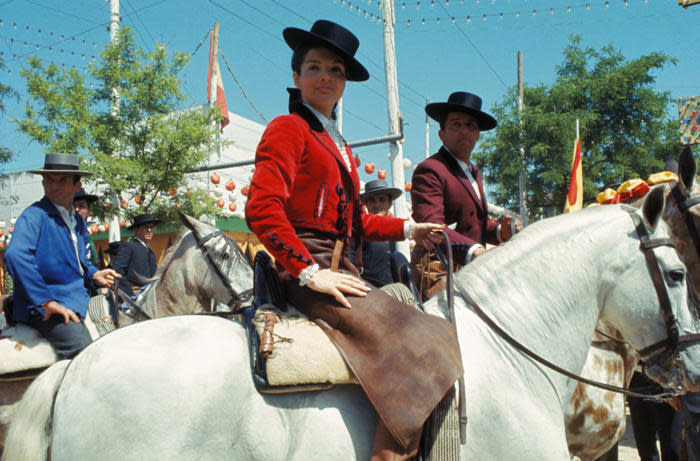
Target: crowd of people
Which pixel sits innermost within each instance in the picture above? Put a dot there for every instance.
(332, 244)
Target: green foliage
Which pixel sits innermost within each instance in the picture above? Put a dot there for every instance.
(142, 146)
(5, 92)
(624, 130)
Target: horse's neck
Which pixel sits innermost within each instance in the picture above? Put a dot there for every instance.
(544, 287)
(171, 295)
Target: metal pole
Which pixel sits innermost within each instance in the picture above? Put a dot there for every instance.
(427, 132)
(522, 185)
(115, 234)
(213, 82)
(392, 96)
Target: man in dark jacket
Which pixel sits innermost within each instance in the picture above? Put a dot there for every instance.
(134, 259)
(376, 256)
(447, 189)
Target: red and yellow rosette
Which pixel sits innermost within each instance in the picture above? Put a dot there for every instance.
(607, 197)
(632, 189)
(662, 177)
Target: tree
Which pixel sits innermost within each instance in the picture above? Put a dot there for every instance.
(624, 129)
(5, 92)
(143, 147)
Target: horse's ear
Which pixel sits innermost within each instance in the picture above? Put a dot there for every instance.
(188, 221)
(671, 165)
(653, 207)
(687, 168)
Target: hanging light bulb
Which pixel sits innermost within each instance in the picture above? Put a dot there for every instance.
(551, 11)
(453, 19)
(534, 12)
(432, 3)
(483, 18)
(500, 16)
(409, 23)
(588, 7)
(422, 21)
(517, 14)
(568, 9)
(469, 19)
(403, 6)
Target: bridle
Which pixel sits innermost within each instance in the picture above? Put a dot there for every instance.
(670, 344)
(685, 203)
(236, 299)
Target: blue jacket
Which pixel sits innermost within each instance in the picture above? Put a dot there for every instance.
(41, 260)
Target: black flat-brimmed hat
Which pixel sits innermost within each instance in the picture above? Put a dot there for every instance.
(82, 195)
(379, 186)
(461, 101)
(335, 37)
(61, 163)
(143, 219)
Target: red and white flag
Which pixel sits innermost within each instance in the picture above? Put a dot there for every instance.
(214, 70)
(574, 199)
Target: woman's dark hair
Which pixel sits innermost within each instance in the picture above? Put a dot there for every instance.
(298, 57)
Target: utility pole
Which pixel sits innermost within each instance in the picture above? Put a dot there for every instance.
(392, 96)
(114, 229)
(522, 186)
(427, 132)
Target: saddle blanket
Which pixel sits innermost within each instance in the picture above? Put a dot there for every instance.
(303, 353)
(23, 348)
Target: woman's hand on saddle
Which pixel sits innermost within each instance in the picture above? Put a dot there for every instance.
(106, 277)
(53, 308)
(337, 283)
(427, 233)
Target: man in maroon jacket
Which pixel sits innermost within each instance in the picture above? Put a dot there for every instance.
(447, 189)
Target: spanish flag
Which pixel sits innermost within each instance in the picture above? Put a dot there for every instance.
(574, 199)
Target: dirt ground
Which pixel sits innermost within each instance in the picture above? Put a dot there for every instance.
(627, 450)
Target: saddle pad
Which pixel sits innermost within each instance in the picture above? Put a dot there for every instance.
(98, 321)
(302, 353)
(23, 348)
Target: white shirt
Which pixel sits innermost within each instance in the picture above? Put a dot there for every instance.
(332, 128)
(467, 168)
(71, 222)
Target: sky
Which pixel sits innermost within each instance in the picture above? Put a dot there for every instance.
(477, 52)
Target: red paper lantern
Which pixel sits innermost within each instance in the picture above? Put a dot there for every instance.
(12, 229)
(369, 168)
(2, 232)
(122, 222)
(106, 224)
(381, 174)
(125, 204)
(245, 190)
(137, 199)
(215, 178)
(230, 185)
(232, 206)
(2, 245)
(172, 190)
(407, 187)
(220, 203)
(358, 162)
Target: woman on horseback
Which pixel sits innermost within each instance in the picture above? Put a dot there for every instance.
(304, 207)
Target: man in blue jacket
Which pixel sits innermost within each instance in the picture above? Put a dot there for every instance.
(47, 261)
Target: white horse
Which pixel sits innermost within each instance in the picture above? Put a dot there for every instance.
(185, 283)
(181, 388)
(595, 417)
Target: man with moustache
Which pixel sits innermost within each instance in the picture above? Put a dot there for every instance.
(447, 189)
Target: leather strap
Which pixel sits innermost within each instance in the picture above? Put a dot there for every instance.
(337, 253)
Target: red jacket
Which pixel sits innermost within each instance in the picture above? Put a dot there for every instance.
(301, 183)
(442, 193)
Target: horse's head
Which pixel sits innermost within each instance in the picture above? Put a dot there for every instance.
(224, 272)
(683, 212)
(651, 306)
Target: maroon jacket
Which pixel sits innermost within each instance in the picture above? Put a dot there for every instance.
(442, 193)
(301, 183)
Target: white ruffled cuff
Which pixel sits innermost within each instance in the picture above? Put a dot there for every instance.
(307, 274)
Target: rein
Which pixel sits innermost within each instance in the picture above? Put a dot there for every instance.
(647, 246)
(685, 203)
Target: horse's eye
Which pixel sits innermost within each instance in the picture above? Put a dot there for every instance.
(677, 275)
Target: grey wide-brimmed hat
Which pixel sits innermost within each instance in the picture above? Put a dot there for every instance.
(82, 195)
(379, 186)
(461, 101)
(143, 219)
(61, 163)
(334, 36)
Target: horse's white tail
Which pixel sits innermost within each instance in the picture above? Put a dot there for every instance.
(29, 435)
